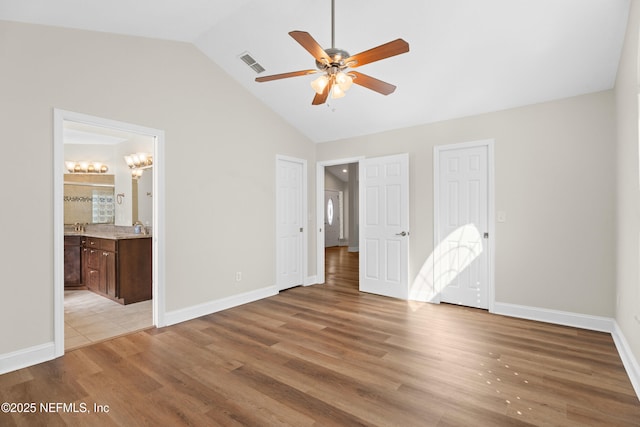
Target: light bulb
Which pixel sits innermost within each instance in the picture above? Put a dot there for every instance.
(320, 83)
(344, 81)
(337, 92)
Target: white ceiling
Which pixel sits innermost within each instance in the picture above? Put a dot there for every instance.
(466, 56)
(339, 171)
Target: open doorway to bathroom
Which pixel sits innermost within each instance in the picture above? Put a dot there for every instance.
(108, 224)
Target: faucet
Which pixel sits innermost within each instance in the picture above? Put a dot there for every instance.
(143, 229)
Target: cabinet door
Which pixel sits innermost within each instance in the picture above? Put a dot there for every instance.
(93, 279)
(94, 259)
(110, 274)
(85, 270)
(72, 265)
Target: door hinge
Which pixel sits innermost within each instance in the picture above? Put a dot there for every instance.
(486, 235)
(301, 229)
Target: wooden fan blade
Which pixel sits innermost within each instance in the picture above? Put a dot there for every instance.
(372, 83)
(321, 98)
(383, 51)
(285, 75)
(312, 46)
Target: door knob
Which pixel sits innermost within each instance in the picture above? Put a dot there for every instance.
(404, 233)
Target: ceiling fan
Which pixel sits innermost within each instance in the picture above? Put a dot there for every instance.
(335, 65)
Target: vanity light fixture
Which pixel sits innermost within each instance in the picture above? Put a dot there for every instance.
(86, 167)
(138, 162)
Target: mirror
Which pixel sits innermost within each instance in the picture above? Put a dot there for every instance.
(113, 201)
(142, 194)
(89, 199)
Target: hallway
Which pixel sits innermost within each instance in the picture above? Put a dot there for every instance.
(341, 267)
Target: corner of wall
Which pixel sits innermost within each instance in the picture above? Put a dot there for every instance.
(628, 359)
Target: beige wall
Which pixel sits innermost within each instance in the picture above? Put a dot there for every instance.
(628, 208)
(220, 164)
(554, 179)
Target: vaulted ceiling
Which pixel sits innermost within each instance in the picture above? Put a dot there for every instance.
(466, 57)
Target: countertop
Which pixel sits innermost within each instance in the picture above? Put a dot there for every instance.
(107, 235)
(103, 231)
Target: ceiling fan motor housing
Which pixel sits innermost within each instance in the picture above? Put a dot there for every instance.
(337, 59)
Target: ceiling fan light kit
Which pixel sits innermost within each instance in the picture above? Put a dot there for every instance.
(334, 63)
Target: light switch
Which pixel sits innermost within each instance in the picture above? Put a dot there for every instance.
(502, 216)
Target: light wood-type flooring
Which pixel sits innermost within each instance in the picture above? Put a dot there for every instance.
(328, 355)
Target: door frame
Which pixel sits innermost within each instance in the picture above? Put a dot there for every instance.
(320, 271)
(303, 220)
(489, 143)
(158, 246)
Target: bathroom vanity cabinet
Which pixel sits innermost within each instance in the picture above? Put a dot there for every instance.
(119, 269)
(72, 262)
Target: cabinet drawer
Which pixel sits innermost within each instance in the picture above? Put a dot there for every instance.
(108, 245)
(105, 244)
(93, 242)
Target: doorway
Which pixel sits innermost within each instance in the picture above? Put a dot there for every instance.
(463, 224)
(337, 215)
(110, 130)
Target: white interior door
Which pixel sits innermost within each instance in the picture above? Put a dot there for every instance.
(384, 226)
(290, 223)
(461, 262)
(331, 218)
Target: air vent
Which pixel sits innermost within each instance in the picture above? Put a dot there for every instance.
(257, 67)
(248, 59)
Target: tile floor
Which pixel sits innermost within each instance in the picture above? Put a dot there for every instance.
(88, 318)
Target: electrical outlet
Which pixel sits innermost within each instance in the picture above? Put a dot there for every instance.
(238, 276)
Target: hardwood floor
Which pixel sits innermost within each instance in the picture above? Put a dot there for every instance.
(328, 355)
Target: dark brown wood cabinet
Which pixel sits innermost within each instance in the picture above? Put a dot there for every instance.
(72, 262)
(119, 269)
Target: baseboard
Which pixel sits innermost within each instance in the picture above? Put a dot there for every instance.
(27, 357)
(576, 320)
(594, 323)
(628, 360)
(193, 312)
(310, 280)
